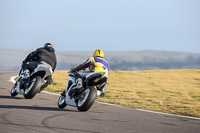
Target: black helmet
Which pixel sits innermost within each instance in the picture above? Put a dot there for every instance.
(46, 45)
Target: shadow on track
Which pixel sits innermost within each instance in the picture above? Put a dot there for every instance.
(10, 97)
(35, 108)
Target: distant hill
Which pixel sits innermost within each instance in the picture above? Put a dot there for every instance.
(141, 60)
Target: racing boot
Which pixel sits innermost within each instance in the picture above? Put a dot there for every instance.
(48, 81)
(101, 92)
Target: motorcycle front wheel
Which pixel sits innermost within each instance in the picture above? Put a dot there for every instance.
(61, 102)
(87, 99)
(33, 88)
(13, 91)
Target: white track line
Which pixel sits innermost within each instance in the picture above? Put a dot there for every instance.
(51, 93)
(12, 79)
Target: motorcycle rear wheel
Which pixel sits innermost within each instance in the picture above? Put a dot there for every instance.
(84, 104)
(34, 88)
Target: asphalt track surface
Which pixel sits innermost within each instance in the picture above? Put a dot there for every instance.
(41, 115)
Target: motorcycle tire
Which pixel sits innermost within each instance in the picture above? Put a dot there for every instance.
(88, 100)
(61, 102)
(13, 91)
(34, 88)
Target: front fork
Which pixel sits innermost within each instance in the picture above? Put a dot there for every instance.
(18, 90)
(21, 85)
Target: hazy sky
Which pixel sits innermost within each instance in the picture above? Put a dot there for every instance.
(111, 25)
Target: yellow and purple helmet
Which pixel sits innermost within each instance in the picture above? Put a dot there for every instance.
(98, 53)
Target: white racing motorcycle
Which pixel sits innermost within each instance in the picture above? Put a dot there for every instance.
(82, 98)
(31, 86)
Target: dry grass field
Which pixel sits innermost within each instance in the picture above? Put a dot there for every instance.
(170, 91)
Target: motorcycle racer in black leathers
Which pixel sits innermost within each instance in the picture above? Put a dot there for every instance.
(44, 54)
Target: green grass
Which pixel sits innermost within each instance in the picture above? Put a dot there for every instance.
(169, 91)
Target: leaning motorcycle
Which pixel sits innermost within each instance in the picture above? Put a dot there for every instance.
(31, 86)
(82, 98)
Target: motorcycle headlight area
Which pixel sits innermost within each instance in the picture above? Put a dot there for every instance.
(79, 82)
